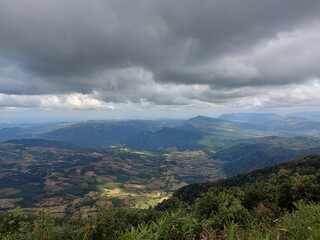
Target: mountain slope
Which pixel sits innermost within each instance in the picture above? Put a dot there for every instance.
(294, 125)
(266, 151)
(166, 138)
(102, 133)
(305, 166)
(224, 128)
(11, 133)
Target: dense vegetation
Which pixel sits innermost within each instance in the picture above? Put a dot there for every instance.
(280, 202)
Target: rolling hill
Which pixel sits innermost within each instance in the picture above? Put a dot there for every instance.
(165, 138)
(307, 165)
(267, 151)
(103, 133)
(213, 133)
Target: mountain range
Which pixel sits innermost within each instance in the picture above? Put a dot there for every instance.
(154, 135)
(73, 166)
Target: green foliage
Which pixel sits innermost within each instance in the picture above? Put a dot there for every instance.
(142, 232)
(16, 225)
(110, 223)
(207, 204)
(13, 222)
(305, 166)
(233, 212)
(46, 227)
(170, 204)
(174, 225)
(284, 190)
(308, 187)
(301, 224)
(221, 209)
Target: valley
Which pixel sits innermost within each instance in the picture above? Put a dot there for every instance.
(127, 178)
(71, 168)
(65, 180)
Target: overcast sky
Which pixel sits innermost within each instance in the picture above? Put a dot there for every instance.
(152, 59)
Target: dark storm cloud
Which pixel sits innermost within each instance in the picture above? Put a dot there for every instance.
(91, 45)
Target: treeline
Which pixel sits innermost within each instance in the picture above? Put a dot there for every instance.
(280, 202)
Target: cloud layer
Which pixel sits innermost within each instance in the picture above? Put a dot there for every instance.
(104, 54)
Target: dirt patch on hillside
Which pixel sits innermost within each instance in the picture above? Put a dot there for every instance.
(113, 192)
(9, 191)
(9, 202)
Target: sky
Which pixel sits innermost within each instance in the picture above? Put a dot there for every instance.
(96, 59)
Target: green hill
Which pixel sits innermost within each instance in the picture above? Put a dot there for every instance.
(165, 138)
(294, 125)
(267, 151)
(102, 133)
(309, 165)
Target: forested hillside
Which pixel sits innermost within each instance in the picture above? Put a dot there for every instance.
(267, 151)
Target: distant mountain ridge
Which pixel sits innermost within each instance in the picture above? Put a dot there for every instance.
(259, 118)
(250, 117)
(103, 133)
(309, 115)
(293, 124)
(213, 133)
(166, 138)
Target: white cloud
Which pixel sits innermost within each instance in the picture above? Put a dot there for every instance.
(160, 55)
(291, 96)
(74, 101)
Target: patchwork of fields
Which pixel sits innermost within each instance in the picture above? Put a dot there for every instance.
(66, 180)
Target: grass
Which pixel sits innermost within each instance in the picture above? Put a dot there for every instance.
(304, 223)
(301, 224)
(109, 185)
